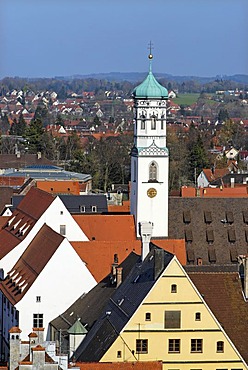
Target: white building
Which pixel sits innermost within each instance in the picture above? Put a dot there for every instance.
(150, 156)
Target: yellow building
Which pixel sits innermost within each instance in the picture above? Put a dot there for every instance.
(157, 313)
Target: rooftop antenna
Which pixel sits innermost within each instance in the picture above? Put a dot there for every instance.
(150, 56)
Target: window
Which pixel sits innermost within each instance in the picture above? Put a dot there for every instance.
(118, 354)
(174, 345)
(220, 346)
(82, 209)
(162, 121)
(38, 298)
(94, 208)
(61, 212)
(172, 319)
(143, 122)
(38, 320)
(153, 172)
(197, 316)
(148, 316)
(196, 345)
(62, 229)
(153, 125)
(141, 345)
(173, 288)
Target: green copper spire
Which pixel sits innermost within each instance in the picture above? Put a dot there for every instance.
(150, 87)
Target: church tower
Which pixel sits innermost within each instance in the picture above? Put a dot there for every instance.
(150, 156)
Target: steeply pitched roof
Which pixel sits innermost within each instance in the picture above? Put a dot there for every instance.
(30, 264)
(222, 292)
(122, 305)
(99, 255)
(24, 217)
(107, 227)
(215, 229)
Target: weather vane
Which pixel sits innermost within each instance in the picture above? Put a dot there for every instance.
(150, 47)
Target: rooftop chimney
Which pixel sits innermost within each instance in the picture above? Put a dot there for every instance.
(118, 276)
(243, 270)
(145, 230)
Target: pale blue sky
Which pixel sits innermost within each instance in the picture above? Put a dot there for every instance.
(46, 38)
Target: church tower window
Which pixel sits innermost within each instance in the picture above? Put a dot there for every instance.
(143, 122)
(153, 172)
(162, 121)
(153, 125)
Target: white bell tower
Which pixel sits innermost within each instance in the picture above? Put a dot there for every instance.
(150, 156)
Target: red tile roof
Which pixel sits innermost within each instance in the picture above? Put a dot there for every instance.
(107, 227)
(223, 294)
(59, 187)
(28, 267)
(99, 255)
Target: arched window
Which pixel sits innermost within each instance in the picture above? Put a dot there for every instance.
(162, 121)
(143, 122)
(153, 122)
(153, 172)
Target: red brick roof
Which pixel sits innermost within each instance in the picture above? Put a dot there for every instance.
(28, 267)
(223, 294)
(99, 255)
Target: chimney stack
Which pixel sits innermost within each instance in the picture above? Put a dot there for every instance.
(243, 270)
(145, 230)
(118, 276)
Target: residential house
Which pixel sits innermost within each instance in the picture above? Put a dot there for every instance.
(157, 312)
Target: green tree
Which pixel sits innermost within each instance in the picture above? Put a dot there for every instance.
(4, 124)
(198, 158)
(33, 135)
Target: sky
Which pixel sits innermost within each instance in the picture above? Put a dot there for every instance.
(47, 38)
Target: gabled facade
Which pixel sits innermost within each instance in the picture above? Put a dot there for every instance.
(48, 276)
(158, 313)
(36, 209)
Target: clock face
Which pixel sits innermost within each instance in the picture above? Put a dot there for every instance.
(151, 192)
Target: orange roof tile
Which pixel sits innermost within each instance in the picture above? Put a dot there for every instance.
(15, 329)
(99, 255)
(35, 202)
(236, 192)
(124, 208)
(107, 227)
(58, 187)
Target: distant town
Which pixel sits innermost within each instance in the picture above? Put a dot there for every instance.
(123, 224)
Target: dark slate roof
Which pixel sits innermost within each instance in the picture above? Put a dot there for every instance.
(215, 229)
(222, 292)
(239, 178)
(12, 160)
(122, 305)
(88, 307)
(84, 203)
(75, 203)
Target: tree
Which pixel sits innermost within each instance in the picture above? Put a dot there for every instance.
(4, 124)
(33, 135)
(223, 115)
(198, 158)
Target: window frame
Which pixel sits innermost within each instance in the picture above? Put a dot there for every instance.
(220, 346)
(196, 345)
(174, 345)
(198, 316)
(62, 230)
(142, 346)
(148, 316)
(173, 288)
(38, 320)
(172, 319)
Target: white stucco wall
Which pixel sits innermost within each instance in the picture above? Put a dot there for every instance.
(55, 215)
(63, 280)
(202, 181)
